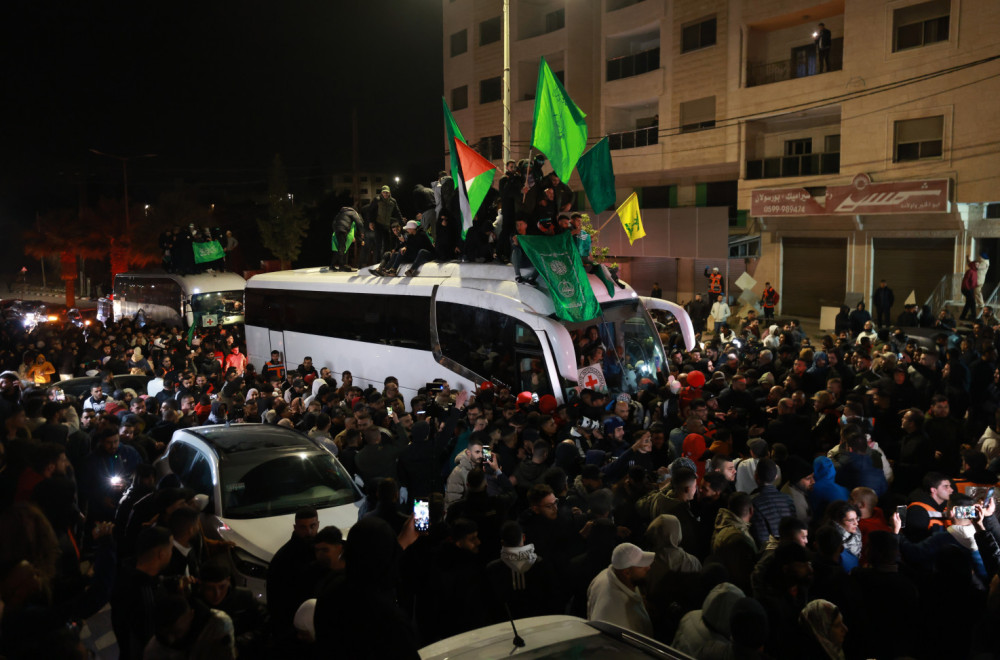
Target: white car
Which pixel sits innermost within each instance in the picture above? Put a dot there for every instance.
(550, 637)
(256, 476)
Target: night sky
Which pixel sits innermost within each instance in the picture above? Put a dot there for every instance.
(215, 89)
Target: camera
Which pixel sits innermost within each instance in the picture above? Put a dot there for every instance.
(487, 455)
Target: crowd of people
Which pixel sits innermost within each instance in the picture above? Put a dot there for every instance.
(765, 497)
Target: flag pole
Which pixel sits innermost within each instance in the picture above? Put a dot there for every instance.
(608, 220)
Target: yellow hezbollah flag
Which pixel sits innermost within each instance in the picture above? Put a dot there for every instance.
(628, 213)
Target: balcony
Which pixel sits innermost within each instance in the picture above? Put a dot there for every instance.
(640, 137)
(635, 64)
(802, 66)
(615, 5)
(794, 166)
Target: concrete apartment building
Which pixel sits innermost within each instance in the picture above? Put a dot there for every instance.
(884, 164)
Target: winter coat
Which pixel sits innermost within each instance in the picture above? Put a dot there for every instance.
(859, 470)
(346, 218)
(454, 489)
(826, 489)
(704, 633)
(610, 600)
(769, 507)
(414, 243)
(522, 581)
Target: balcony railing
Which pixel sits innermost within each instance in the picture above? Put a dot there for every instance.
(633, 65)
(790, 166)
(640, 137)
(772, 72)
(615, 5)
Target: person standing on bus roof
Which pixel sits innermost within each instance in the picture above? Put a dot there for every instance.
(346, 221)
(381, 214)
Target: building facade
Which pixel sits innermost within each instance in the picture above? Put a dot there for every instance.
(827, 160)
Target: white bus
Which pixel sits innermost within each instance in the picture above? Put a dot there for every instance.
(203, 300)
(464, 323)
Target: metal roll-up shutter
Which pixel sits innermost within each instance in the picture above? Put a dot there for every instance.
(814, 275)
(911, 264)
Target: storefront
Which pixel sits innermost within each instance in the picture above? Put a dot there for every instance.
(822, 249)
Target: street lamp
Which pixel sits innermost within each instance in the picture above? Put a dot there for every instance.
(124, 160)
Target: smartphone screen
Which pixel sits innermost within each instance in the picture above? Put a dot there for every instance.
(901, 510)
(487, 454)
(421, 515)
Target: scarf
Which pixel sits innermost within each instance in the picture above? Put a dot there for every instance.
(852, 542)
(819, 616)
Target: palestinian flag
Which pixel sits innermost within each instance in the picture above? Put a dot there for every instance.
(477, 175)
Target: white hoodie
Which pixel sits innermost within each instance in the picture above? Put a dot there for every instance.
(520, 560)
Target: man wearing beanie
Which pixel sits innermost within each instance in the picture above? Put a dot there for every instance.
(613, 595)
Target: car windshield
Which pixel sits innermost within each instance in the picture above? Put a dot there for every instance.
(283, 483)
(630, 346)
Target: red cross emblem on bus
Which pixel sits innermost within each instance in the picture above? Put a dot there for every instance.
(209, 321)
(591, 381)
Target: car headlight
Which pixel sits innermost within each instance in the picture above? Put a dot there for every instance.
(249, 565)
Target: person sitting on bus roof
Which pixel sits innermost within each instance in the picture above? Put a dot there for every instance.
(416, 250)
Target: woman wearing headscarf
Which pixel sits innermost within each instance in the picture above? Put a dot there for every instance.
(824, 629)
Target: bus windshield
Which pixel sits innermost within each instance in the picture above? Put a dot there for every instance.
(226, 305)
(623, 342)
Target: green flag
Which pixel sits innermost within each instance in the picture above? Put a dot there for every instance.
(452, 131)
(561, 268)
(559, 130)
(350, 239)
(598, 176)
(207, 251)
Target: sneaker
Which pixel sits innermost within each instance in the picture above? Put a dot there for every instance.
(410, 272)
(377, 271)
(348, 269)
(324, 269)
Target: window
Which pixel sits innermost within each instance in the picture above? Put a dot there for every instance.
(364, 179)
(378, 179)
(198, 476)
(919, 139)
(347, 178)
(179, 457)
(491, 345)
(490, 90)
(798, 147)
(920, 25)
(459, 42)
(831, 144)
(369, 317)
(698, 35)
(491, 147)
(490, 31)
(555, 20)
(698, 114)
(460, 98)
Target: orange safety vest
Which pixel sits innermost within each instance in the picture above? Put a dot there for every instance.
(937, 518)
(715, 283)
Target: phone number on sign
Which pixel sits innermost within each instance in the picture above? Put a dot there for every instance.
(785, 208)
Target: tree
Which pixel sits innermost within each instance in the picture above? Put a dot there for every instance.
(93, 233)
(61, 232)
(285, 226)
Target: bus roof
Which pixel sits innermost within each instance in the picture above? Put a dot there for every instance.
(489, 278)
(193, 284)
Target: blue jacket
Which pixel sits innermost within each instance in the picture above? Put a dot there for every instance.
(826, 489)
(858, 470)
